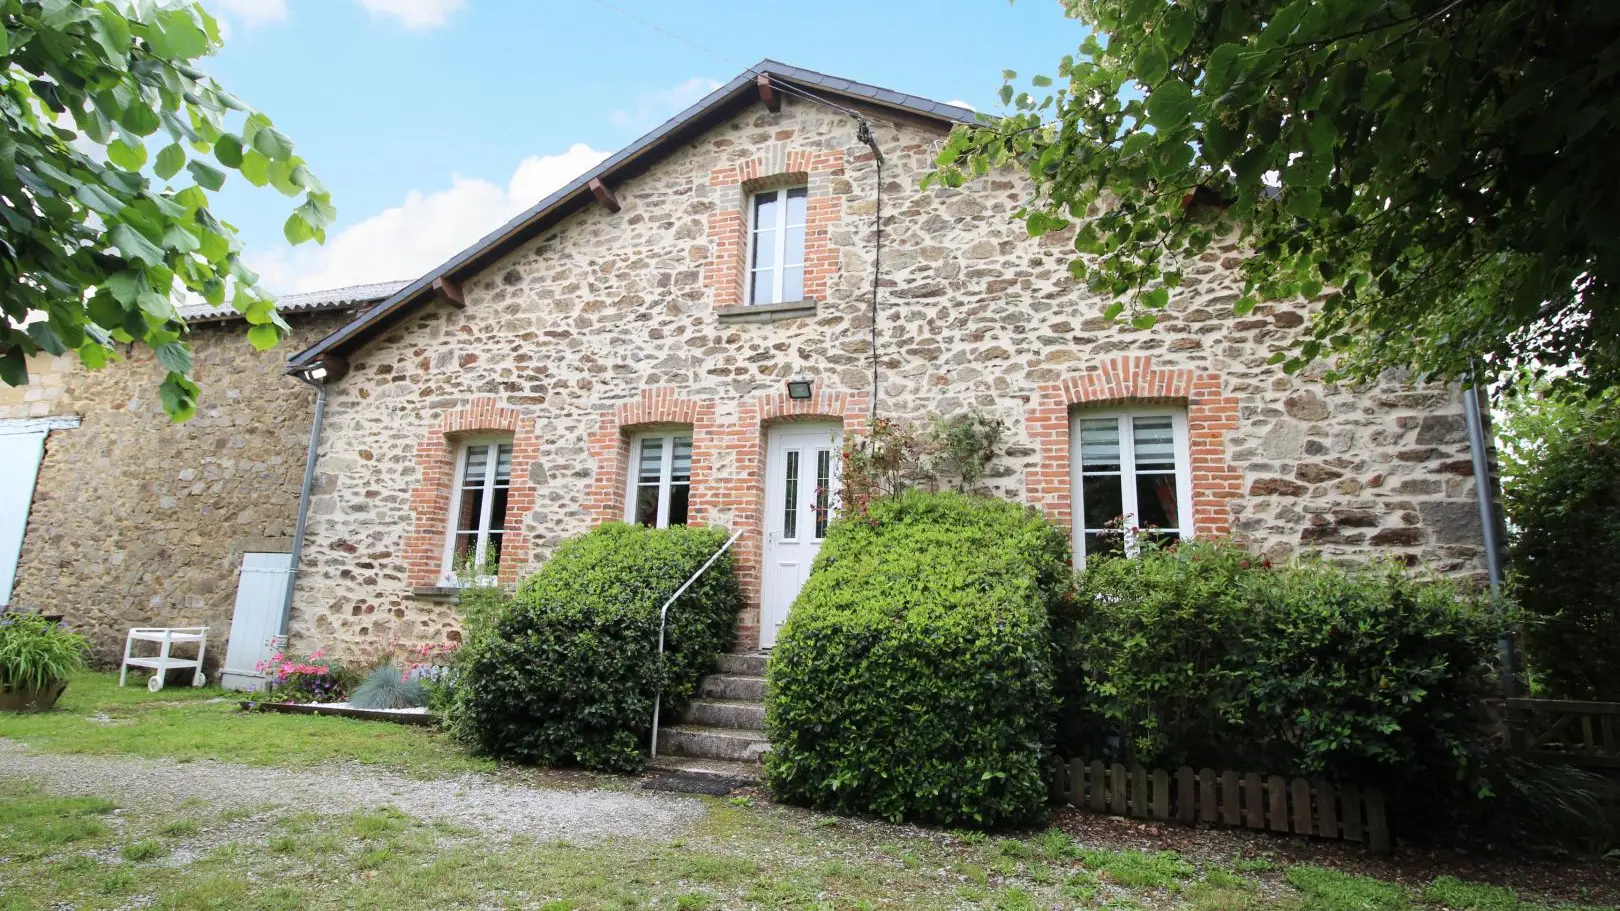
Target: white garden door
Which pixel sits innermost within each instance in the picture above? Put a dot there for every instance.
(801, 494)
(256, 622)
(20, 451)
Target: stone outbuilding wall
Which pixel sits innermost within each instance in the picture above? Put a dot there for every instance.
(139, 521)
(613, 321)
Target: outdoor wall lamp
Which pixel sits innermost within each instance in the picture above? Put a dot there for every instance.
(798, 390)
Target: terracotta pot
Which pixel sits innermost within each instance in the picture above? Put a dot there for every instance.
(31, 700)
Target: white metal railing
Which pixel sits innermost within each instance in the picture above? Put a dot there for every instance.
(663, 618)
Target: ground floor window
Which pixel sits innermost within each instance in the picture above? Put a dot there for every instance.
(478, 508)
(1132, 479)
(660, 479)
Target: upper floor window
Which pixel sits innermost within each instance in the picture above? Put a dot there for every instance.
(776, 245)
(1132, 480)
(660, 479)
(478, 508)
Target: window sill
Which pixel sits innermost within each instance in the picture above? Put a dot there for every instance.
(766, 313)
(447, 593)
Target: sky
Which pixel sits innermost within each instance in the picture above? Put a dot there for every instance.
(434, 121)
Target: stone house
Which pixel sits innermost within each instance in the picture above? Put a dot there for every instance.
(686, 332)
(133, 520)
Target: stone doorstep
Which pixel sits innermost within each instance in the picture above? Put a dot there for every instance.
(729, 744)
(744, 773)
(733, 688)
(721, 713)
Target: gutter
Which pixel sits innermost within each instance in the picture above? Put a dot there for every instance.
(1485, 501)
(303, 494)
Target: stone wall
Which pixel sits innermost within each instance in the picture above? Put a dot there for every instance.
(610, 314)
(138, 521)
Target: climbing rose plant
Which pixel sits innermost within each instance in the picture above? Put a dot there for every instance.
(113, 142)
(1442, 170)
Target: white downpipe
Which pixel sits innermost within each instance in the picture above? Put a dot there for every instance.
(663, 617)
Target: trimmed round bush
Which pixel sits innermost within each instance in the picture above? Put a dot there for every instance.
(913, 679)
(566, 672)
(1566, 543)
(1208, 655)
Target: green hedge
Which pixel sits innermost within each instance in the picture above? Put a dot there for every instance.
(1206, 654)
(567, 671)
(913, 679)
(1566, 543)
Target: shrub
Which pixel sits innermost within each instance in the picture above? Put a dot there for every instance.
(35, 653)
(1566, 517)
(569, 668)
(913, 679)
(389, 687)
(1205, 654)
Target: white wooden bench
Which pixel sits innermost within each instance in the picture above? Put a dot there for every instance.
(163, 662)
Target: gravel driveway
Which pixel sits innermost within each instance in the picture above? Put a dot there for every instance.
(476, 801)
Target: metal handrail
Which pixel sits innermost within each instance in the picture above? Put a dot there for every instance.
(663, 618)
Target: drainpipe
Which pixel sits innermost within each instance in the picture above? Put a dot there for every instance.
(303, 495)
(1484, 487)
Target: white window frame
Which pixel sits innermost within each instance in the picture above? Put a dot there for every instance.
(1127, 469)
(481, 548)
(779, 262)
(665, 471)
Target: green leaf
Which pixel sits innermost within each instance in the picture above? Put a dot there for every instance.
(130, 157)
(1152, 65)
(206, 175)
(1157, 299)
(1221, 68)
(169, 161)
(264, 336)
(228, 150)
(1244, 306)
(1113, 310)
(272, 144)
(174, 356)
(1144, 321)
(14, 366)
(134, 245)
(1176, 27)
(1171, 105)
(1135, 144)
(297, 229)
(1040, 81)
(139, 118)
(179, 397)
(256, 168)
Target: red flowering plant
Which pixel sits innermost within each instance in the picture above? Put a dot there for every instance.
(314, 678)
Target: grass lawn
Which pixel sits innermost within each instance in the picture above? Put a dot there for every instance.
(95, 716)
(105, 850)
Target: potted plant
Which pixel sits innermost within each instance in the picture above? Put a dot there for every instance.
(36, 657)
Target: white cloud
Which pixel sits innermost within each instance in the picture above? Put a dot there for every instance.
(957, 102)
(653, 107)
(425, 230)
(421, 14)
(254, 12)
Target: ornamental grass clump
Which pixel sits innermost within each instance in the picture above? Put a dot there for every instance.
(914, 677)
(567, 671)
(389, 687)
(36, 653)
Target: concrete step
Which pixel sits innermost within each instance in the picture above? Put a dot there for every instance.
(742, 665)
(745, 773)
(733, 687)
(728, 744)
(721, 713)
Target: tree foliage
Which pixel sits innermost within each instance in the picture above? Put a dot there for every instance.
(1441, 167)
(113, 142)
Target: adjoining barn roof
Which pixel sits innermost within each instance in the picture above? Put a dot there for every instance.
(307, 302)
(747, 88)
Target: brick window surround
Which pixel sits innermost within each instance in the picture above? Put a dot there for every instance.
(726, 269)
(728, 465)
(430, 499)
(1121, 382)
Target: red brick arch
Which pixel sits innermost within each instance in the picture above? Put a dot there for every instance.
(723, 271)
(609, 447)
(1123, 381)
(430, 499)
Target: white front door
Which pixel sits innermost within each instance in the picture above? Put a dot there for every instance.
(801, 493)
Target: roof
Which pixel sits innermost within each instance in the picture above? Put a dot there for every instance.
(306, 302)
(628, 161)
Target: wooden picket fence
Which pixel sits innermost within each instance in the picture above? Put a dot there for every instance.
(1227, 799)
